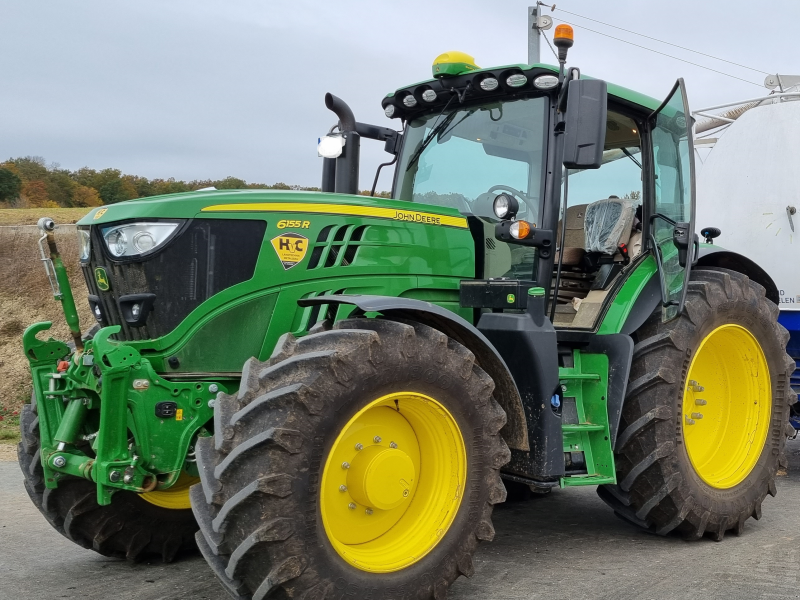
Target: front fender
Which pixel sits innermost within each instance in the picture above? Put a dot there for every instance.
(515, 431)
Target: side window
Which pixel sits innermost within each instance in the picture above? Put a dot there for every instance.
(621, 172)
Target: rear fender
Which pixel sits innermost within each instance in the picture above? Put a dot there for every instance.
(515, 431)
(714, 256)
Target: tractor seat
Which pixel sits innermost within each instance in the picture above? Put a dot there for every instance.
(607, 224)
(573, 237)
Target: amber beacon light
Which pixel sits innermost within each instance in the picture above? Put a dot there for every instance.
(563, 38)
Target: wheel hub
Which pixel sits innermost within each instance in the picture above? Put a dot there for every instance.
(381, 477)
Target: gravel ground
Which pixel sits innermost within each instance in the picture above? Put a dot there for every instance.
(565, 545)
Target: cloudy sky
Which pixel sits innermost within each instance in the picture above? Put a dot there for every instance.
(197, 89)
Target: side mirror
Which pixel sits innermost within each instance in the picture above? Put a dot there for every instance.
(585, 125)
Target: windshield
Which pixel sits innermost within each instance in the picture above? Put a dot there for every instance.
(464, 158)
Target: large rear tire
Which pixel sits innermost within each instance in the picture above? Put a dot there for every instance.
(359, 462)
(129, 527)
(706, 414)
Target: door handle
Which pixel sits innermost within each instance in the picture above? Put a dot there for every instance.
(790, 210)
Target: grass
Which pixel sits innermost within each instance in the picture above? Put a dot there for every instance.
(9, 426)
(29, 216)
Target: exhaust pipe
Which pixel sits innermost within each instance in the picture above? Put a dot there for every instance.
(347, 120)
(345, 173)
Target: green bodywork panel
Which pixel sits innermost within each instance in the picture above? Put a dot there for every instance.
(621, 306)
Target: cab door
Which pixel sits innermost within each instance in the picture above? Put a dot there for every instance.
(671, 215)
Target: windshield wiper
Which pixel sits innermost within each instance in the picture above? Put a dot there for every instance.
(627, 153)
(429, 138)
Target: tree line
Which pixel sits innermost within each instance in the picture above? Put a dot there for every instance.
(30, 182)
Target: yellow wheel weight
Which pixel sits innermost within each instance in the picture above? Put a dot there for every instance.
(727, 405)
(393, 482)
(174, 498)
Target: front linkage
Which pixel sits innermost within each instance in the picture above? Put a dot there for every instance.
(104, 413)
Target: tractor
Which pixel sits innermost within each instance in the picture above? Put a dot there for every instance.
(327, 393)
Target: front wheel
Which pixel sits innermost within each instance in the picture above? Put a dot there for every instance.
(360, 462)
(705, 419)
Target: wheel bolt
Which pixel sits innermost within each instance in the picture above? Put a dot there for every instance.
(343, 488)
(392, 445)
(59, 461)
(352, 506)
(697, 415)
(345, 465)
(368, 511)
(127, 479)
(689, 421)
(700, 402)
(377, 439)
(695, 387)
(359, 446)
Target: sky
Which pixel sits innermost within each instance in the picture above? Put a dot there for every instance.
(204, 89)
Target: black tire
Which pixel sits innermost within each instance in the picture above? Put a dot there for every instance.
(258, 502)
(658, 488)
(129, 527)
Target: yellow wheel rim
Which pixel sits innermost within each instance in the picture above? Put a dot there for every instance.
(176, 497)
(726, 406)
(393, 482)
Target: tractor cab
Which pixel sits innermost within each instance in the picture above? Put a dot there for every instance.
(594, 174)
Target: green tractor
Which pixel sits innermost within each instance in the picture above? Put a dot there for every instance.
(325, 392)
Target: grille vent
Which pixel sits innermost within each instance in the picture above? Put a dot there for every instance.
(336, 246)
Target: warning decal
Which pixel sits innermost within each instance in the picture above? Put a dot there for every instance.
(291, 248)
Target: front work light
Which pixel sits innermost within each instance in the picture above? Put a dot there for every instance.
(331, 145)
(389, 111)
(410, 101)
(134, 239)
(505, 206)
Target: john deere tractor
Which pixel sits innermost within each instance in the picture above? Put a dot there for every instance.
(325, 391)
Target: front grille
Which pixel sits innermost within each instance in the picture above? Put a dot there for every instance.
(206, 257)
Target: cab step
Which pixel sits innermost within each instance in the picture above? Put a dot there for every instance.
(587, 445)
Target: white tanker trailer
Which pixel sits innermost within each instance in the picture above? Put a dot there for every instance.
(747, 177)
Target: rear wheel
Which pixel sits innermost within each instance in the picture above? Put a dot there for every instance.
(705, 420)
(129, 527)
(362, 461)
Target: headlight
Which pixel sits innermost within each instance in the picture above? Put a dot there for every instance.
(133, 239)
(84, 244)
